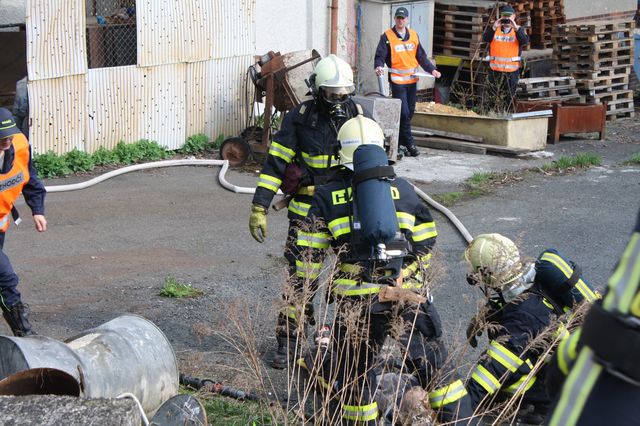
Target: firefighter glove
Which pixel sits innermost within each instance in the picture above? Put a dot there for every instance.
(258, 222)
(474, 330)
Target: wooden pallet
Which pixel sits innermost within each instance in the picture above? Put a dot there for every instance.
(621, 115)
(597, 28)
(590, 57)
(603, 82)
(589, 65)
(563, 39)
(613, 98)
(592, 75)
(603, 90)
(542, 83)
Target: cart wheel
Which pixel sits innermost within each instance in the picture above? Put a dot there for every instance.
(235, 150)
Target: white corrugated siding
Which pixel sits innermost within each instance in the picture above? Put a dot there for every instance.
(57, 109)
(113, 106)
(56, 42)
(234, 28)
(162, 111)
(171, 31)
(217, 105)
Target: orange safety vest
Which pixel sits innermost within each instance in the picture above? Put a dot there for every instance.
(403, 57)
(11, 183)
(503, 55)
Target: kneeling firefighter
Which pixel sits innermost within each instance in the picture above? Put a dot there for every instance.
(599, 362)
(382, 235)
(524, 300)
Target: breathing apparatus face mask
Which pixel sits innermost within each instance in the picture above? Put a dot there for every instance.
(509, 291)
(335, 98)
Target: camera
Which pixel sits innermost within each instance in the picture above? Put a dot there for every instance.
(505, 21)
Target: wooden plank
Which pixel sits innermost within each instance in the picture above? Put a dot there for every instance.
(423, 131)
(450, 144)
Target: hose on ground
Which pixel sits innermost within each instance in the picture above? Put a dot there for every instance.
(224, 164)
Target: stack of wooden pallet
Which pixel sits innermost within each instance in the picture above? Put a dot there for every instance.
(548, 89)
(458, 27)
(599, 55)
(540, 17)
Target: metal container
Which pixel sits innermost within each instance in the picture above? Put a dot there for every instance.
(126, 355)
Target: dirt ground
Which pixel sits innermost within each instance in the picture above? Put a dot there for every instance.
(109, 249)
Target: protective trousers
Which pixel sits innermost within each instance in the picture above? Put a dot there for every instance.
(350, 369)
(9, 294)
(407, 94)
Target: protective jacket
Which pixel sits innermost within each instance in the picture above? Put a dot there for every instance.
(600, 360)
(19, 176)
(307, 138)
(404, 62)
(329, 224)
(509, 359)
(385, 51)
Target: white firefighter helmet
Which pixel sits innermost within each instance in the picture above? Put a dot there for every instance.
(495, 259)
(334, 79)
(357, 131)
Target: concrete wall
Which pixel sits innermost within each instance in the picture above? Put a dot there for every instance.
(12, 12)
(577, 9)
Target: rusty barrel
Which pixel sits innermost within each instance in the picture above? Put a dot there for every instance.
(128, 354)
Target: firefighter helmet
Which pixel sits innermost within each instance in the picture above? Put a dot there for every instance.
(495, 260)
(357, 131)
(334, 79)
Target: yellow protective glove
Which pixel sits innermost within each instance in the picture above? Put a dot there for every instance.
(258, 222)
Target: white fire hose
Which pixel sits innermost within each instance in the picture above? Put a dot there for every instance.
(224, 164)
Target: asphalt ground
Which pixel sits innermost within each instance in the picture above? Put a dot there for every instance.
(109, 248)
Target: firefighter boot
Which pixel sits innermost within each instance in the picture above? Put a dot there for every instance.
(287, 349)
(16, 317)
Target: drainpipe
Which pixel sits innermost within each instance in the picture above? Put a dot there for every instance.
(334, 27)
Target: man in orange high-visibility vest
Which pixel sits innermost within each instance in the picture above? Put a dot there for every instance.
(17, 176)
(399, 48)
(506, 39)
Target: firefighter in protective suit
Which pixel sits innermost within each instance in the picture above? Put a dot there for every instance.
(601, 359)
(298, 160)
(523, 301)
(361, 281)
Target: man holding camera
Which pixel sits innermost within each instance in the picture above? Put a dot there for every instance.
(506, 39)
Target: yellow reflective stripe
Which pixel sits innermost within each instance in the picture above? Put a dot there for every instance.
(567, 270)
(426, 260)
(8, 127)
(319, 240)
(363, 413)
(411, 284)
(561, 332)
(448, 394)
(272, 183)
(635, 306)
(423, 231)
(4, 220)
(522, 385)
(350, 268)
(567, 351)
(281, 151)
(289, 312)
(407, 71)
(319, 378)
(347, 287)
(504, 356)
(623, 284)
(319, 161)
(299, 208)
(409, 269)
(576, 390)
(405, 220)
(488, 381)
(339, 226)
(308, 269)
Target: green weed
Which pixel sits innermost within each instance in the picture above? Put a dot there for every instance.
(580, 160)
(448, 198)
(175, 289)
(479, 178)
(225, 412)
(104, 157)
(218, 142)
(195, 144)
(80, 161)
(51, 165)
(634, 159)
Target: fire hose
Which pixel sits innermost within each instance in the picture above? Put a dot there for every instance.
(217, 387)
(224, 164)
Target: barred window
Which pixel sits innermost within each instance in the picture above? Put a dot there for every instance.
(111, 33)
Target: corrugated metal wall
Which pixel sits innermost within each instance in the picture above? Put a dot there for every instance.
(190, 77)
(56, 42)
(57, 107)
